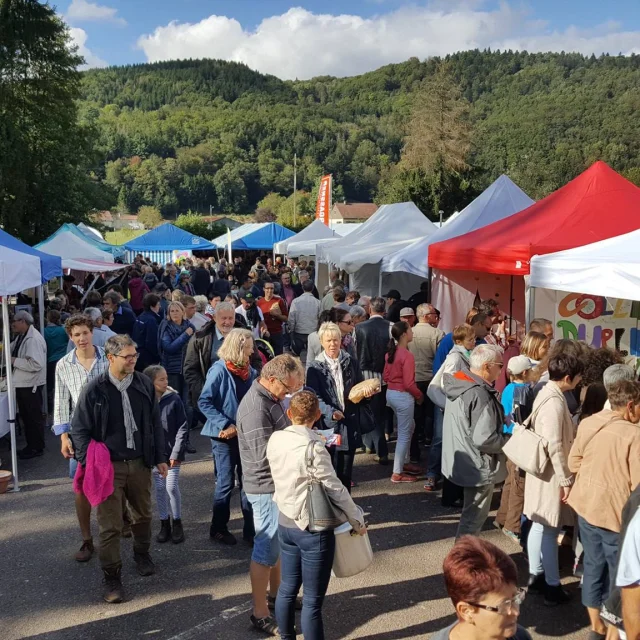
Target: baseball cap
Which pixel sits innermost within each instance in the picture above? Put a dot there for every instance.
(393, 293)
(407, 311)
(247, 295)
(519, 364)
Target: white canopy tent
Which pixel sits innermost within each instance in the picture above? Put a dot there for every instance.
(501, 199)
(69, 246)
(609, 268)
(392, 228)
(317, 230)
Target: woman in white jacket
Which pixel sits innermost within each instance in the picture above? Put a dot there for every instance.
(464, 341)
(302, 552)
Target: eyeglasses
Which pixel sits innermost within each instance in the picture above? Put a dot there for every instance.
(132, 358)
(504, 608)
(346, 321)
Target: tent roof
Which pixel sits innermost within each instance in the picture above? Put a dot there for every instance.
(317, 230)
(89, 237)
(501, 199)
(254, 235)
(607, 268)
(68, 243)
(391, 228)
(596, 205)
(168, 237)
(22, 267)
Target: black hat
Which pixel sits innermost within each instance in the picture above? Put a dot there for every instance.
(393, 293)
(69, 278)
(247, 295)
(161, 287)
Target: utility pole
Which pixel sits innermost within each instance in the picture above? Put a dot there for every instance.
(441, 212)
(295, 185)
(210, 209)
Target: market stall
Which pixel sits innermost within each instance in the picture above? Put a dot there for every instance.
(71, 241)
(307, 238)
(393, 227)
(254, 236)
(166, 243)
(21, 267)
(492, 262)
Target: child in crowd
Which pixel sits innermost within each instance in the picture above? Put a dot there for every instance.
(517, 401)
(176, 429)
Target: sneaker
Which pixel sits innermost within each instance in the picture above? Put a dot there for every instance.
(536, 584)
(86, 551)
(369, 451)
(555, 595)
(397, 478)
(144, 564)
(412, 469)
(113, 591)
(430, 484)
(165, 531)
(224, 537)
(27, 453)
(383, 460)
(511, 535)
(177, 532)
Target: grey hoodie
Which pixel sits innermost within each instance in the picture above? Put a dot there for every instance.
(472, 438)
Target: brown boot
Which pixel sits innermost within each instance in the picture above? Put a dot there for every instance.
(113, 591)
(86, 551)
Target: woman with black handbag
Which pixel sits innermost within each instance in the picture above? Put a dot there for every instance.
(312, 502)
(332, 375)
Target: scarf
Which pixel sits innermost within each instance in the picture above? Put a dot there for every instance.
(336, 373)
(240, 370)
(129, 420)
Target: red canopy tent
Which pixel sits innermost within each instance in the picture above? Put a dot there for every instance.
(597, 205)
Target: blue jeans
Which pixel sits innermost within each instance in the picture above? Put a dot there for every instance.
(226, 457)
(434, 462)
(542, 545)
(600, 559)
(306, 559)
(266, 546)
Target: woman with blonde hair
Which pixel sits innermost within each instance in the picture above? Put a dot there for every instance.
(227, 382)
(536, 346)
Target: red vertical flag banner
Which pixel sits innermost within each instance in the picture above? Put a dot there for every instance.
(323, 204)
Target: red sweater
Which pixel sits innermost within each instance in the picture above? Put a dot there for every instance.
(401, 374)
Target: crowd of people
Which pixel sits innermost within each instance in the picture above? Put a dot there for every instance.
(267, 365)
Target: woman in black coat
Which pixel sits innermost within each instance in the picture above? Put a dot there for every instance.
(332, 375)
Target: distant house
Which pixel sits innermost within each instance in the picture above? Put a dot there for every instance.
(223, 220)
(117, 221)
(353, 212)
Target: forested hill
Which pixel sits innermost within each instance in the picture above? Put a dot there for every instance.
(189, 134)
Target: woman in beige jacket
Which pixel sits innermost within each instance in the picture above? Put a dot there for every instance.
(302, 552)
(545, 498)
(606, 460)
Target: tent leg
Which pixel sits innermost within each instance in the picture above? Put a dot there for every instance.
(380, 283)
(45, 408)
(10, 391)
(430, 281)
(511, 307)
(530, 304)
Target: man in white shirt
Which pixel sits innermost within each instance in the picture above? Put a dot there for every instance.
(252, 314)
(101, 333)
(83, 364)
(303, 319)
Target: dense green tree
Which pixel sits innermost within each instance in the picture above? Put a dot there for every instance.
(150, 217)
(44, 151)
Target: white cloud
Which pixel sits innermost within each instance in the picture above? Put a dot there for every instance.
(84, 11)
(79, 37)
(302, 44)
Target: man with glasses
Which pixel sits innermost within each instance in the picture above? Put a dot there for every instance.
(119, 409)
(426, 338)
(472, 438)
(260, 414)
(274, 310)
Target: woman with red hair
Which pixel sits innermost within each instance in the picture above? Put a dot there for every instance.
(482, 582)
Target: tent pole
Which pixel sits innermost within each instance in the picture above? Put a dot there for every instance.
(530, 304)
(380, 283)
(429, 280)
(40, 290)
(511, 306)
(10, 391)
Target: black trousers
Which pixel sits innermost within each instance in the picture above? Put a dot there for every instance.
(30, 411)
(343, 464)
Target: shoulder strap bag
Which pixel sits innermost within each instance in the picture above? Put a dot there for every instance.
(526, 449)
(323, 514)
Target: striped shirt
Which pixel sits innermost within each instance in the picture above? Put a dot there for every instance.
(71, 377)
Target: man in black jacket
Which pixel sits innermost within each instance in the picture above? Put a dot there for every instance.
(120, 410)
(396, 304)
(201, 279)
(123, 316)
(372, 340)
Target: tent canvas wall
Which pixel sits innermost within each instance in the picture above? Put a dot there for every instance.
(596, 205)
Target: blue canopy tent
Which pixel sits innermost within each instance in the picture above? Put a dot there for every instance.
(254, 236)
(21, 267)
(68, 229)
(159, 243)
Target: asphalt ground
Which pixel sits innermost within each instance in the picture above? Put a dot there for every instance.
(201, 589)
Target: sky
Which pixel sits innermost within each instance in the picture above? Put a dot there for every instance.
(341, 37)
